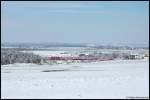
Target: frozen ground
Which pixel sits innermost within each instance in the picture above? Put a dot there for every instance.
(107, 79)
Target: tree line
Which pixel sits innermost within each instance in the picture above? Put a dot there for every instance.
(9, 56)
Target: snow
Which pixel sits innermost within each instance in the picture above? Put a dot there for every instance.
(106, 79)
(48, 53)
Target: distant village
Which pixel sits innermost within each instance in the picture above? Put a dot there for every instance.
(13, 54)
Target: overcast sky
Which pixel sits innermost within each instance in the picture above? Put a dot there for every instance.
(109, 22)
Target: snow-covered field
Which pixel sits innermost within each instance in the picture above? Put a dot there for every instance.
(48, 53)
(107, 79)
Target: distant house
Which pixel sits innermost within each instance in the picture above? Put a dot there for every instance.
(133, 56)
(146, 56)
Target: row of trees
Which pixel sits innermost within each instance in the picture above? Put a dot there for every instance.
(9, 56)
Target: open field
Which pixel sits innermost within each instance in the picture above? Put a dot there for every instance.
(106, 79)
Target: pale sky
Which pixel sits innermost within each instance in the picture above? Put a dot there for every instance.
(99, 22)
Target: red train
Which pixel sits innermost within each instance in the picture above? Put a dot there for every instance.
(100, 58)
